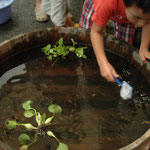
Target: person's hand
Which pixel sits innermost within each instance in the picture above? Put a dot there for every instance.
(108, 72)
(144, 54)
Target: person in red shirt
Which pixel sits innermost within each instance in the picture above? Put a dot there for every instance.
(126, 15)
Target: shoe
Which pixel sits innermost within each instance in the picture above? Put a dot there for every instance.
(70, 23)
(41, 17)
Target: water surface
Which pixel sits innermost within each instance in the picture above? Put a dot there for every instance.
(94, 116)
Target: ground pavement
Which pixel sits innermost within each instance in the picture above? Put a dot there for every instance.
(23, 18)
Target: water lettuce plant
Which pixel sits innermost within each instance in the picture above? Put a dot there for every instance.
(60, 50)
(41, 121)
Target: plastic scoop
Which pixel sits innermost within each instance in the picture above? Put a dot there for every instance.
(126, 91)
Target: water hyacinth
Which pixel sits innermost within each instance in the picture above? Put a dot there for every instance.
(29, 126)
(48, 120)
(24, 147)
(60, 50)
(11, 124)
(41, 121)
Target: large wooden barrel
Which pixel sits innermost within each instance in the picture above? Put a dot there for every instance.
(12, 49)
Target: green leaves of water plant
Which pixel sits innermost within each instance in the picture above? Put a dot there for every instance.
(41, 120)
(62, 146)
(24, 139)
(24, 147)
(11, 124)
(27, 105)
(29, 113)
(48, 120)
(61, 50)
(55, 109)
(28, 126)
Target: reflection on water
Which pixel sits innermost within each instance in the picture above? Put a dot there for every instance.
(21, 69)
(94, 116)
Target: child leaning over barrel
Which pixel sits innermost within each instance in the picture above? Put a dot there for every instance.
(126, 14)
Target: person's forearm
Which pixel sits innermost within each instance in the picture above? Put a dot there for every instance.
(106, 69)
(145, 38)
(98, 46)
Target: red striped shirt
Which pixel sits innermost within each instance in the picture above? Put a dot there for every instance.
(109, 9)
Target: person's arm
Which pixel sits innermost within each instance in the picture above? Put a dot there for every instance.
(106, 69)
(145, 42)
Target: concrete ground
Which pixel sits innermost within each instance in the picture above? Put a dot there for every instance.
(23, 18)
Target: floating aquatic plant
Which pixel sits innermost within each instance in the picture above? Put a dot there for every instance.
(60, 50)
(41, 121)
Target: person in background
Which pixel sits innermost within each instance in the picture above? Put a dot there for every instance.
(127, 14)
(58, 10)
(41, 17)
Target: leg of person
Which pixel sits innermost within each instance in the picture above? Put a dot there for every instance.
(38, 14)
(69, 14)
(38, 4)
(69, 4)
(124, 32)
(59, 12)
(69, 19)
(86, 16)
